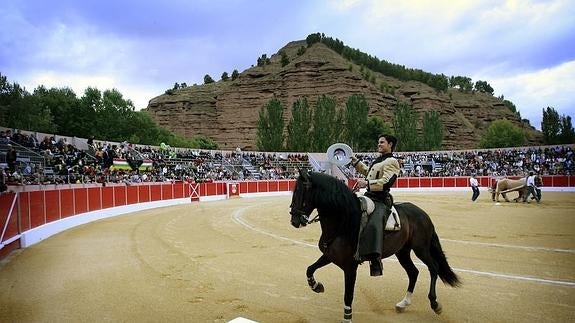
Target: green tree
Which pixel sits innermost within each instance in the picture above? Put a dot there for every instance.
(324, 128)
(263, 60)
(405, 127)
(225, 76)
(502, 133)
(511, 107)
(270, 126)
(550, 126)
(31, 115)
(201, 142)
(566, 132)
(355, 118)
(208, 79)
(19, 109)
(432, 131)
(284, 58)
(65, 107)
(235, 75)
(463, 83)
(556, 129)
(299, 127)
(106, 116)
(115, 120)
(370, 134)
(484, 87)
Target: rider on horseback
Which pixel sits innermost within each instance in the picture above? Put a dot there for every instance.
(380, 177)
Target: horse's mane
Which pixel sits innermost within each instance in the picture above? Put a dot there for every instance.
(337, 200)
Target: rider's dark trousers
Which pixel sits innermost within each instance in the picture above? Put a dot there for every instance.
(475, 193)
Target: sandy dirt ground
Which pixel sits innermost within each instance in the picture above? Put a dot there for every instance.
(216, 261)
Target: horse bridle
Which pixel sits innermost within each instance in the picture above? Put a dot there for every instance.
(303, 215)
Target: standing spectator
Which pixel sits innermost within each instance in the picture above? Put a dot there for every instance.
(474, 187)
(538, 184)
(11, 159)
(530, 188)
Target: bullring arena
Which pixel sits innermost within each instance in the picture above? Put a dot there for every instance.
(219, 259)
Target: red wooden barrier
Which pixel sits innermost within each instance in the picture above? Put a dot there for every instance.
(24, 209)
(283, 186)
(36, 208)
(425, 182)
(167, 192)
(6, 215)
(132, 194)
(36, 205)
(119, 195)
(107, 197)
(80, 200)
(252, 187)
(461, 181)
(401, 183)
(94, 198)
(156, 193)
(243, 187)
(262, 186)
(144, 193)
(272, 186)
(436, 182)
(52, 205)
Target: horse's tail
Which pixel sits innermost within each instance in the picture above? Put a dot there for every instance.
(444, 271)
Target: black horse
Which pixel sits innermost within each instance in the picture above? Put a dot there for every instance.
(339, 214)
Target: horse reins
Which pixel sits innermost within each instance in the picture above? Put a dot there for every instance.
(315, 219)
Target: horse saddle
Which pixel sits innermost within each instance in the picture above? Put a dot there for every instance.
(368, 206)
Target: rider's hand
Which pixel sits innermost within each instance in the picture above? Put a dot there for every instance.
(354, 160)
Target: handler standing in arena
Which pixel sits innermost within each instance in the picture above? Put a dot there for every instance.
(380, 177)
(474, 187)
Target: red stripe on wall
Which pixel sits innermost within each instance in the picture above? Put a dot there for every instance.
(36, 202)
(67, 204)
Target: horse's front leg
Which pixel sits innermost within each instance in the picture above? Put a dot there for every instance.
(315, 286)
(350, 274)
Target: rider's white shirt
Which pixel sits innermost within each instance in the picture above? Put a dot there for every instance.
(473, 181)
(531, 180)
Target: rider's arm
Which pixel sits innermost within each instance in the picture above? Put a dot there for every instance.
(386, 173)
(360, 166)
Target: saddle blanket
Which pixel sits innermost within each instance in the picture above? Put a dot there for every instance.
(368, 206)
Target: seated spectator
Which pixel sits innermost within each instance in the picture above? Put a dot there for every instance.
(3, 186)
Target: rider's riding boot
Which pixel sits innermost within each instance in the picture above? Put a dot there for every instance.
(375, 267)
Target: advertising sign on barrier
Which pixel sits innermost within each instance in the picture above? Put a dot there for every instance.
(233, 190)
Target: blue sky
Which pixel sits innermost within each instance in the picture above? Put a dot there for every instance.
(524, 49)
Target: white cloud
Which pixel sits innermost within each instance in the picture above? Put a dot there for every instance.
(458, 37)
(532, 92)
(343, 5)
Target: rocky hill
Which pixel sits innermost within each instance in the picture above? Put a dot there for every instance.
(228, 111)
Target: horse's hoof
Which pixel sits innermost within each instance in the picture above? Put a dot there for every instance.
(319, 288)
(401, 306)
(438, 309)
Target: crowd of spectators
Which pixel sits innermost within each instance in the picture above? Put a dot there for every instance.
(65, 163)
(549, 160)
